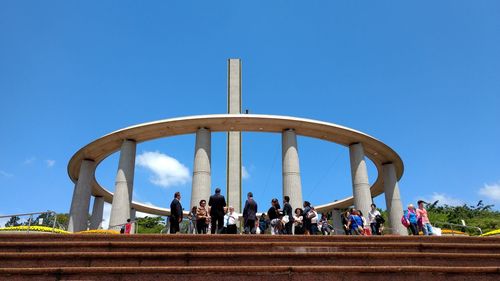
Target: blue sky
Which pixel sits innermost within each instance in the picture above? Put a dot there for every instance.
(422, 77)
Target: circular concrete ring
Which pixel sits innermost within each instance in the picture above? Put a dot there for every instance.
(101, 148)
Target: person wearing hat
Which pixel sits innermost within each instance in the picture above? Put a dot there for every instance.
(250, 214)
(217, 202)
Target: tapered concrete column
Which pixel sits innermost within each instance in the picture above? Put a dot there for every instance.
(201, 168)
(292, 185)
(79, 211)
(337, 222)
(234, 138)
(133, 217)
(97, 211)
(393, 200)
(120, 209)
(359, 174)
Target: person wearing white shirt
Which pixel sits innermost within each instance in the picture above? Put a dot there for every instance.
(297, 222)
(314, 222)
(230, 221)
(372, 217)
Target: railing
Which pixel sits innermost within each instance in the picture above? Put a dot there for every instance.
(119, 226)
(458, 226)
(184, 226)
(30, 220)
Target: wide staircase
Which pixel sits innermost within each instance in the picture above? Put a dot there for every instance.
(246, 257)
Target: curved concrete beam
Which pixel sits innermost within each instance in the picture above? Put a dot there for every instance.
(101, 148)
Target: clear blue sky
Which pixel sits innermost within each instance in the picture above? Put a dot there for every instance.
(423, 77)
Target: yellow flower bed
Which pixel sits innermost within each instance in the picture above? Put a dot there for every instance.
(449, 231)
(493, 232)
(34, 228)
(99, 231)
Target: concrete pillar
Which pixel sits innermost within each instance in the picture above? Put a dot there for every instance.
(201, 169)
(234, 138)
(133, 217)
(292, 185)
(79, 211)
(120, 208)
(360, 186)
(97, 211)
(337, 222)
(393, 200)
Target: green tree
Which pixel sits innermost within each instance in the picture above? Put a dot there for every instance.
(48, 220)
(150, 224)
(480, 215)
(63, 221)
(13, 221)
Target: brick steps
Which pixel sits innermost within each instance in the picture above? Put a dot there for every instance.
(142, 246)
(117, 259)
(246, 238)
(249, 257)
(275, 273)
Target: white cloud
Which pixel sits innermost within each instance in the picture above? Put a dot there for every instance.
(491, 192)
(167, 171)
(50, 163)
(444, 199)
(5, 174)
(244, 173)
(29, 161)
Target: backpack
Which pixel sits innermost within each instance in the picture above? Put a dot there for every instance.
(379, 219)
(405, 221)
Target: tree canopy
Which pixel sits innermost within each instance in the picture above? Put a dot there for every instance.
(480, 215)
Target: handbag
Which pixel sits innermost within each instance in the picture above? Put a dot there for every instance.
(285, 219)
(311, 214)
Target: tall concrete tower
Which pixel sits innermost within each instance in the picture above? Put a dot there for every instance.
(234, 138)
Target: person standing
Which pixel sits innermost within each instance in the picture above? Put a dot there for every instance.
(231, 220)
(372, 217)
(345, 222)
(126, 228)
(355, 223)
(314, 222)
(298, 222)
(287, 211)
(263, 223)
(273, 214)
(423, 219)
(192, 220)
(307, 216)
(175, 213)
(217, 202)
(326, 229)
(201, 217)
(366, 229)
(250, 214)
(411, 217)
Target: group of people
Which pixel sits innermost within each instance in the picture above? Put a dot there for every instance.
(354, 223)
(416, 220)
(218, 218)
